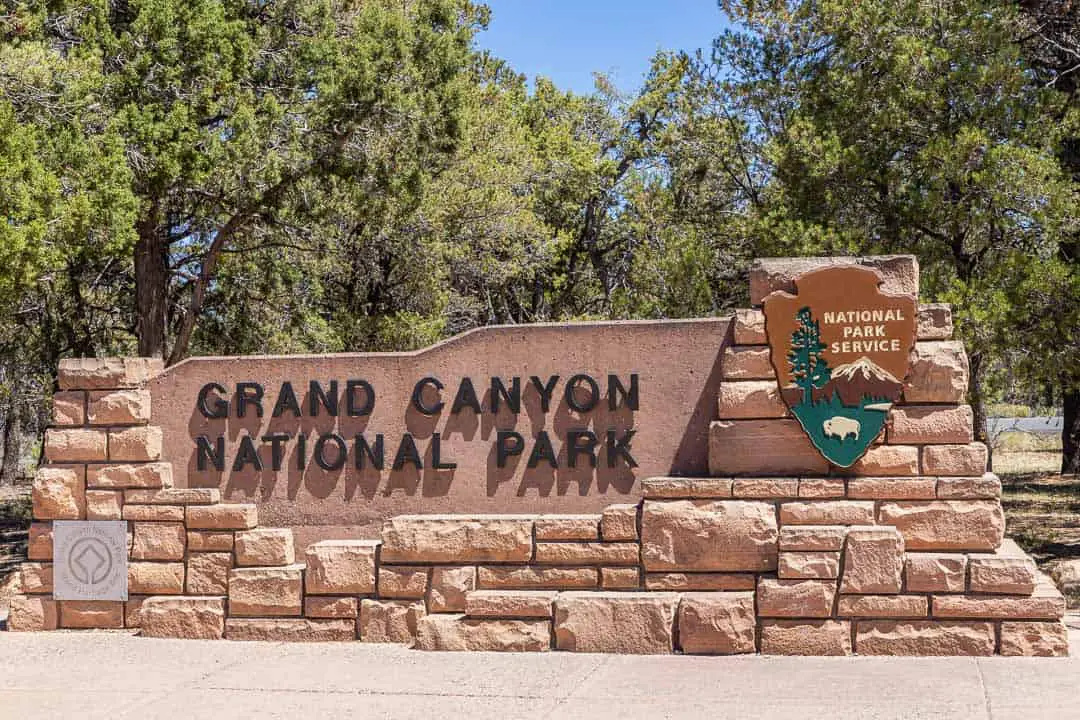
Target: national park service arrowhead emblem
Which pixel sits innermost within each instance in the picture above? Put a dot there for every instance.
(841, 349)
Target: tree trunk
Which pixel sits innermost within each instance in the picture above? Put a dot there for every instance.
(1070, 432)
(978, 403)
(151, 283)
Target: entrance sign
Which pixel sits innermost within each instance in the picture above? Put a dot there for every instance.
(840, 348)
(90, 560)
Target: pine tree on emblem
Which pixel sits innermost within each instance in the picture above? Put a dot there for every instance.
(808, 367)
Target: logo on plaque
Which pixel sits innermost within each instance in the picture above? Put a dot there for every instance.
(90, 560)
(840, 347)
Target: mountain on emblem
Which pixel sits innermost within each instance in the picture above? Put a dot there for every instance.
(840, 350)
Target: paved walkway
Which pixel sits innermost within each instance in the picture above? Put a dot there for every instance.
(115, 675)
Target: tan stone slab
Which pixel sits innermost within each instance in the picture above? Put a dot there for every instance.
(326, 606)
(700, 581)
(341, 567)
(457, 538)
(568, 527)
(510, 603)
(91, 614)
(133, 610)
(873, 560)
(65, 445)
(40, 543)
(389, 621)
(154, 513)
(619, 523)
(32, 614)
(58, 493)
(1010, 575)
(581, 553)
(708, 535)
(537, 578)
(159, 541)
(36, 578)
(750, 399)
(1034, 639)
(104, 504)
(827, 512)
(192, 618)
(402, 581)
(988, 486)
(765, 488)
(750, 327)
(893, 488)
(735, 448)
(174, 496)
(747, 362)
(805, 637)
(135, 444)
(717, 623)
(1041, 606)
(107, 373)
(118, 407)
(449, 586)
(930, 424)
(620, 578)
(457, 632)
(68, 408)
(809, 565)
(228, 516)
(938, 374)
(900, 273)
(209, 540)
(208, 573)
(686, 488)
(946, 524)
(795, 598)
(935, 321)
(156, 578)
(887, 460)
(935, 572)
(290, 630)
(615, 622)
(883, 606)
(822, 487)
(255, 592)
(264, 547)
(923, 637)
(955, 460)
(152, 476)
(812, 537)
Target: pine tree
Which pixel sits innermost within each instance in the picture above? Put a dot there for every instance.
(808, 367)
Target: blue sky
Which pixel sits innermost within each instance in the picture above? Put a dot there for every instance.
(568, 40)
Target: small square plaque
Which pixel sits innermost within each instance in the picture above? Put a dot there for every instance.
(90, 560)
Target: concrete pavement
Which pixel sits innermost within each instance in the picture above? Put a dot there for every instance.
(115, 675)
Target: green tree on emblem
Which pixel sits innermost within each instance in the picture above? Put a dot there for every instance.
(808, 367)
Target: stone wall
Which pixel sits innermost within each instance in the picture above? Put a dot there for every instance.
(774, 551)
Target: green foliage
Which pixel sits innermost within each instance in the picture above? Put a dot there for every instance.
(808, 365)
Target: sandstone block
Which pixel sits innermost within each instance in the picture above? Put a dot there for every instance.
(936, 424)
(341, 567)
(209, 541)
(119, 407)
(457, 632)
(40, 544)
(449, 586)
(537, 578)
(963, 460)
(86, 614)
(156, 578)
(583, 553)
(717, 623)
(900, 273)
(389, 621)
(923, 637)
(946, 524)
(153, 513)
(36, 578)
(133, 610)
(938, 374)
(827, 512)
(615, 622)
(988, 487)
(135, 444)
(885, 460)
(795, 598)
(809, 565)
(58, 494)
(805, 637)
(935, 321)
(1044, 605)
(935, 572)
(457, 538)
(1034, 639)
(208, 573)
(735, 448)
(686, 488)
(1014, 575)
(708, 535)
(749, 399)
(700, 581)
(239, 516)
(201, 618)
(75, 445)
(822, 488)
(748, 362)
(104, 504)
(263, 591)
(765, 488)
(290, 629)
(568, 527)
(750, 327)
(69, 408)
(883, 606)
(32, 614)
(402, 581)
(331, 607)
(146, 476)
(509, 603)
(812, 537)
(159, 541)
(893, 488)
(265, 547)
(619, 523)
(620, 578)
(174, 496)
(873, 560)
(107, 373)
